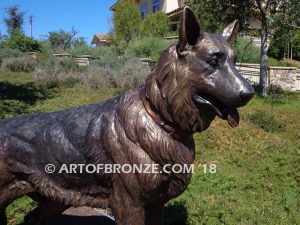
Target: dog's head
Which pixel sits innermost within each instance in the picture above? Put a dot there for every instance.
(196, 79)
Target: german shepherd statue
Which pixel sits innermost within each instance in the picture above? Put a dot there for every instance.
(194, 81)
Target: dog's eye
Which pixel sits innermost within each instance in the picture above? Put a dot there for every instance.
(213, 62)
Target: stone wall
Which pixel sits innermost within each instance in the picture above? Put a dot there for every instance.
(288, 78)
(285, 77)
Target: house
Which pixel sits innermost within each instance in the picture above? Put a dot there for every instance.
(173, 8)
(101, 40)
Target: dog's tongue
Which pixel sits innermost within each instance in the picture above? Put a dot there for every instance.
(233, 117)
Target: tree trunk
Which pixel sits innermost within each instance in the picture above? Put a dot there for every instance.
(263, 59)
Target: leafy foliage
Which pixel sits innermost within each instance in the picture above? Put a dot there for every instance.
(147, 47)
(79, 42)
(210, 14)
(128, 25)
(286, 24)
(155, 25)
(63, 39)
(247, 52)
(127, 22)
(18, 40)
(14, 19)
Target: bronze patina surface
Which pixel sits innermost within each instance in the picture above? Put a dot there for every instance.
(194, 81)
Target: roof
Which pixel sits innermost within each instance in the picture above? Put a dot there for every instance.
(175, 12)
(101, 38)
(113, 7)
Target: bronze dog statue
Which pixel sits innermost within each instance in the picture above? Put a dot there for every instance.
(193, 82)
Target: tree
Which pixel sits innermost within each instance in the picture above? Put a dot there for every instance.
(62, 39)
(155, 25)
(2, 40)
(286, 25)
(127, 22)
(215, 14)
(210, 14)
(14, 19)
(274, 15)
(18, 40)
(79, 42)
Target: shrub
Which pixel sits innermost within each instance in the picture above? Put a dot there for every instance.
(98, 51)
(111, 61)
(9, 53)
(275, 62)
(12, 108)
(69, 65)
(131, 75)
(19, 41)
(52, 70)
(266, 121)
(127, 22)
(247, 52)
(277, 48)
(147, 47)
(18, 64)
(155, 25)
(275, 93)
(97, 77)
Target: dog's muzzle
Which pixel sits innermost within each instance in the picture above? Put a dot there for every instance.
(228, 113)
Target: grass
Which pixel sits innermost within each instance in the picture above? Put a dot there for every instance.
(257, 179)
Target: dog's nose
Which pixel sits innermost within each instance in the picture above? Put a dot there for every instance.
(245, 97)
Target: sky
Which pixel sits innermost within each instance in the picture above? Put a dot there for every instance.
(87, 16)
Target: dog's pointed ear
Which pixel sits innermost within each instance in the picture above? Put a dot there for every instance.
(189, 31)
(230, 32)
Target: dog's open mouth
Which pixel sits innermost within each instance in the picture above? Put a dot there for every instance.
(226, 113)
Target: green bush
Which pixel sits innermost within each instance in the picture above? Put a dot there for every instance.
(155, 25)
(18, 64)
(247, 52)
(127, 22)
(106, 56)
(12, 108)
(277, 48)
(19, 41)
(147, 47)
(275, 62)
(275, 93)
(266, 121)
(98, 51)
(9, 53)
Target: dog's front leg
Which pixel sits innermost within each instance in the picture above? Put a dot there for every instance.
(126, 210)
(127, 213)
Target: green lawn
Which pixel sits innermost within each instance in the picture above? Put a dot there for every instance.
(257, 178)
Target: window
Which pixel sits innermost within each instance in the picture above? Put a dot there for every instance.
(143, 9)
(155, 6)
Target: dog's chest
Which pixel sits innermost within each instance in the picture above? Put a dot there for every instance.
(144, 142)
